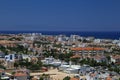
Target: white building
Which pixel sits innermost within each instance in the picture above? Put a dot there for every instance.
(10, 57)
(97, 41)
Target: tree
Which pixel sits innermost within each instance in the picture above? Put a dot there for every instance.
(34, 67)
(41, 78)
(61, 56)
(108, 58)
(39, 63)
(3, 49)
(57, 45)
(75, 60)
(83, 61)
(25, 62)
(45, 77)
(3, 67)
(16, 64)
(67, 78)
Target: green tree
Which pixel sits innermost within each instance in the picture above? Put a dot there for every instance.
(61, 56)
(41, 78)
(3, 49)
(16, 64)
(57, 45)
(34, 67)
(67, 78)
(39, 63)
(75, 60)
(25, 62)
(108, 58)
(3, 67)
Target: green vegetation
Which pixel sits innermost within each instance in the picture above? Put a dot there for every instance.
(65, 56)
(2, 67)
(67, 78)
(29, 65)
(3, 49)
(93, 62)
(116, 51)
(52, 52)
(41, 78)
(75, 60)
(16, 65)
(34, 67)
(108, 58)
(41, 42)
(116, 69)
(57, 45)
(45, 77)
(14, 38)
(18, 49)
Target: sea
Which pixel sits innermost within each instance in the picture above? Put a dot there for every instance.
(97, 34)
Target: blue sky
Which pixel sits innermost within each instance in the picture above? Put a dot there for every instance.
(54, 15)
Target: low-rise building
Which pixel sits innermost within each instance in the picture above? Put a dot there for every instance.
(115, 58)
(88, 50)
(21, 75)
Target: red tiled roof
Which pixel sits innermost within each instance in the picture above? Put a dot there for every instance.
(74, 79)
(1, 71)
(117, 63)
(108, 78)
(20, 74)
(87, 49)
(98, 57)
(116, 57)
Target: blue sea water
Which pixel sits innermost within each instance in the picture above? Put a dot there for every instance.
(101, 35)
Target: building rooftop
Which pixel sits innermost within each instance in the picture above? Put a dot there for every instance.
(20, 74)
(87, 49)
(74, 79)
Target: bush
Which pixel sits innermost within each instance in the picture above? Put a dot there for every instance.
(1, 66)
(34, 67)
(67, 78)
(41, 78)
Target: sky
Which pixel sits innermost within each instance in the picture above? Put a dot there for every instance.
(60, 15)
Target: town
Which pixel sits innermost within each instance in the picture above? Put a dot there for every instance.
(34, 56)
